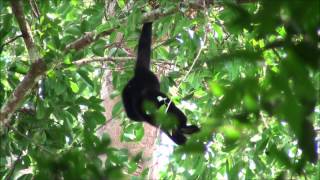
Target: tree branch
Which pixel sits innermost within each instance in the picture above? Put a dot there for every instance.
(34, 8)
(100, 59)
(17, 9)
(90, 37)
(85, 61)
(10, 41)
(37, 69)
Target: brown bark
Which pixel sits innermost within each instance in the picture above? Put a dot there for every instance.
(36, 70)
(101, 59)
(17, 9)
(38, 67)
(114, 129)
(113, 126)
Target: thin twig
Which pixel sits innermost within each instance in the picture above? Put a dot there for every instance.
(155, 46)
(100, 59)
(194, 62)
(85, 61)
(276, 53)
(191, 67)
(10, 41)
(103, 125)
(34, 8)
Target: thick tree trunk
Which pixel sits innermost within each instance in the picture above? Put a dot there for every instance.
(113, 128)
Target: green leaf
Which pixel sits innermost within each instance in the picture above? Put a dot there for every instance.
(162, 53)
(19, 67)
(96, 16)
(133, 132)
(103, 27)
(230, 132)
(93, 118)
(74, 30)
(218, 30)
(98, 48)
(216, 89)
(253, 91)
(85, 76)
(280, 155)
(74, 87)
(117, 108)
(250, 102)
(41, 111)
(121, 3)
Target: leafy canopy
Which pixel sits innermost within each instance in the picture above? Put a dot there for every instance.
(247, 73)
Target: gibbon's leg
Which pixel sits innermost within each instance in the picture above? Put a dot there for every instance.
(160, 99)
(177, 135)
(130, 99)
(128, 103)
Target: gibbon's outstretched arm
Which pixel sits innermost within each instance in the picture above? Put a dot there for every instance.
(144, 86)
(144, 47)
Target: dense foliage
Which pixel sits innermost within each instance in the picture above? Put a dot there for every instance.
(247, 73)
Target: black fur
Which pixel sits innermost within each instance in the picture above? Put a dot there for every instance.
(144, 86)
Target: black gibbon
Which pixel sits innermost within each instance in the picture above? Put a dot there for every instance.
(145, 87)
